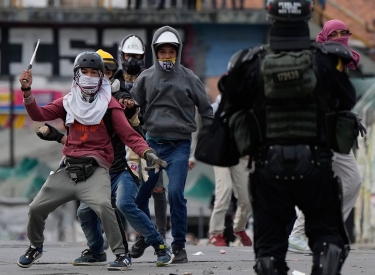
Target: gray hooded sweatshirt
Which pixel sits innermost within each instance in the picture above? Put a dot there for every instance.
(169, 98)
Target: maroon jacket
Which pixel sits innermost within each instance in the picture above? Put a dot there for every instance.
(90, 140)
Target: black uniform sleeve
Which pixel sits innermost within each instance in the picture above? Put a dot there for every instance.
(337, 81)
(241, 86)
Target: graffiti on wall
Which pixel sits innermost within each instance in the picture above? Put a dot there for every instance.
(60, 45)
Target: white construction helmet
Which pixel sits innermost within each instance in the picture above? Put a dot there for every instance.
(133, 45)
(167, 37)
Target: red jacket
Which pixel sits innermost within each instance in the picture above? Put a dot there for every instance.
(90, 140)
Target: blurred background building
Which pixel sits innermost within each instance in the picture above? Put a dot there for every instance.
(212, 31)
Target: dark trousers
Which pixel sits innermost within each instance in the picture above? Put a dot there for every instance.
(276, 188)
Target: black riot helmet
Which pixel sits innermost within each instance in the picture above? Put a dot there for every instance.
(289, 27)
(89, 60)
(133, 45)
(289, 10)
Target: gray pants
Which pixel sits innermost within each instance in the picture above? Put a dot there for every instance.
(345, 167)
(58, 189)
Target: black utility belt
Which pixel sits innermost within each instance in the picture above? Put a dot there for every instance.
(80, 169)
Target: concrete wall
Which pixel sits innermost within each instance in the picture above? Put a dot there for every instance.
(207, 47)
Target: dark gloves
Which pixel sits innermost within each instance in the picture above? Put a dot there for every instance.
(361, 128)
(50, 133)
(130, 112)
(151, 157)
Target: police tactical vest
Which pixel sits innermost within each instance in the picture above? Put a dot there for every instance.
(291, 105)
(290, 108)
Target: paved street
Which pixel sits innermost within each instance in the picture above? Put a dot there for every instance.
(57, 258)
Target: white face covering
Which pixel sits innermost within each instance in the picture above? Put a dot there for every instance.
(167, 64)
(85, 111)
(89, 85)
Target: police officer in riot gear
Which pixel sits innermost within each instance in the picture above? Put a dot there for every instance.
(283, 93)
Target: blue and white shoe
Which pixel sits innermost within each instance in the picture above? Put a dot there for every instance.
(31, 255)
(122, 262)
(164, 255)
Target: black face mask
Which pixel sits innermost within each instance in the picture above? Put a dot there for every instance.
(133, 66)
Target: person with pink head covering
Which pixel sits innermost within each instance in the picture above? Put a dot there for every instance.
(336, 30)
(344, 165)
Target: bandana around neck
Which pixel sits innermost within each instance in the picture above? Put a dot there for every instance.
(331, 26)
(167, 64)
(83, 111)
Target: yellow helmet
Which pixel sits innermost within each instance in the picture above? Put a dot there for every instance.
(109, 62)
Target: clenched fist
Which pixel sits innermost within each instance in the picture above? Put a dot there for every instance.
(28, 77)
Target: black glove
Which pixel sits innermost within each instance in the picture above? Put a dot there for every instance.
(361, 128)
(53, 135)
(130, 112)
(154, 160)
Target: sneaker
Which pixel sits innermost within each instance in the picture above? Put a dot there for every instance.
(164, 255)
(122, 262)
(138, 248)
(105, 242)
(217, 240)
(244, 238)
(89, 258)
(298, 245)
(31, 255)
(180, 256)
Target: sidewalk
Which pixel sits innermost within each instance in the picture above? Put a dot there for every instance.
(57, 258)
